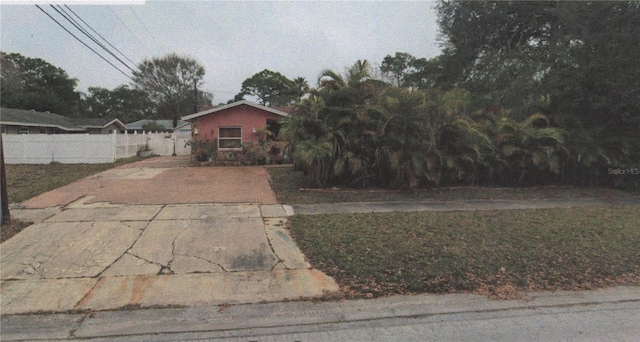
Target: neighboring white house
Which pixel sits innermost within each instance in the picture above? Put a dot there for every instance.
(21, 121)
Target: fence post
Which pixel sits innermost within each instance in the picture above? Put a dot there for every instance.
(114, 144)
(87, 141)
(174, 138)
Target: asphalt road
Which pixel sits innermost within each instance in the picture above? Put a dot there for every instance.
(605, 315)
(605, 322)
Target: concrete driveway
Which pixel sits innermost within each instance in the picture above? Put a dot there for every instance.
(164, 180)
(155, 233)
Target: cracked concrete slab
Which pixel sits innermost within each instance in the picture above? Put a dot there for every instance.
(66, 249)
(120, 213)
(236, 244)
(155, 245)
(207, 288)
(155, 236)
(207, 211)
(184, 264)
(22, 296)
(283, 245)
(130, 265)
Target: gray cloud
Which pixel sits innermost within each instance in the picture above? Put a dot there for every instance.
(233, 40)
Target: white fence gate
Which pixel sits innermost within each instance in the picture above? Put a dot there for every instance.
(89, 148)
(166, 144)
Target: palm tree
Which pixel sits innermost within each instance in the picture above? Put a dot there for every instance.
(317, 156)
(531, 146)
(407, 137)
(347, 118)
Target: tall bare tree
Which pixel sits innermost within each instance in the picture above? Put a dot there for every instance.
(169, 81)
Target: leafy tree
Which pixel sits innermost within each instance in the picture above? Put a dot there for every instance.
(581, 58)
(169, 82)
(122, 102)
(470, 29)
(273, 88)
(594, 86)
(153, 126)
(32, 83)
(427, 74)
(398, 67)
(12, 80)
(299, 88)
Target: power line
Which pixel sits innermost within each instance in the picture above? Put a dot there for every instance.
(83, 31)
(143, 25)
(128, 29)
(103, 38)
(83, 43)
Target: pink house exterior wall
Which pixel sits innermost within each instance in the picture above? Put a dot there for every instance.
(246, 117)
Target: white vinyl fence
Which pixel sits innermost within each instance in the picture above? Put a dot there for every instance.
(88, 148)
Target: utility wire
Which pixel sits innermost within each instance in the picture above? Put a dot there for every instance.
(128, 29)
(83, 43)
(143, 25)
(83, 31)
(103, 38)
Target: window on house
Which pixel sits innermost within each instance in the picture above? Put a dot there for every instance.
(43, 130)
(3, 129)
(229, 137)
(24, 130)
(274, 127)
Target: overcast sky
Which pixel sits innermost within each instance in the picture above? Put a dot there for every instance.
(233, 40)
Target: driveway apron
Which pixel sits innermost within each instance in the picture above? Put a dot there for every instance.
(155, 233)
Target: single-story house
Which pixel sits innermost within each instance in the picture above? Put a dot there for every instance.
(182, 128)
(235, 124)
(21, 121)
(237, 131)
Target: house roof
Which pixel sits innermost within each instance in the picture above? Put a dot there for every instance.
(23, 117)
(235, 104)
(97, 122)
(167, 124)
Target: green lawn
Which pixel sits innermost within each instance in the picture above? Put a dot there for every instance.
(496, 253)
(287, 183)
(26, 181)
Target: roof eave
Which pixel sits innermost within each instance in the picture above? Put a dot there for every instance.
(28, 124)
(231, 105)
